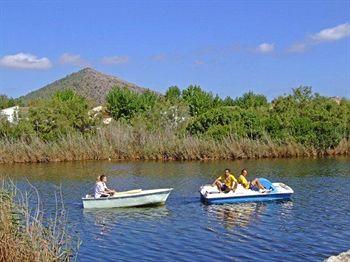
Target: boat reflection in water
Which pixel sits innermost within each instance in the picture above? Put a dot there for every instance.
(108, 219)
(245, 214)
(237, 215)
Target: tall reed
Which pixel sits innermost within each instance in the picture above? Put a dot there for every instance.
(118, 141)
(25, 234)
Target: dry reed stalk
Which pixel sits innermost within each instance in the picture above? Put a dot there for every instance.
(24, 233)
(122, 142)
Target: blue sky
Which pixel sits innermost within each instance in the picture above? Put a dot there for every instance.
(226, 47)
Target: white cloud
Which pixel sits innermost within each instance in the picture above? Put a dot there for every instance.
(72, 59)
(115, 60)
(326, 35)
(25, 61)
(265, 48)
(332, 34)
(159, 57)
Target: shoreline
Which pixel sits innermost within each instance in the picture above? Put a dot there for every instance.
(28, 159)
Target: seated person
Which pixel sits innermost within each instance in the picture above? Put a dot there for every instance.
(253, 185)
(226, 182)
(101, 189)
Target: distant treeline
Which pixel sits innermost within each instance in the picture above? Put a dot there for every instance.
(310, 122)
(6, 102)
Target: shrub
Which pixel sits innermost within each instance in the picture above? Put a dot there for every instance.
(23, 129)
(253, 123)
(217, 116)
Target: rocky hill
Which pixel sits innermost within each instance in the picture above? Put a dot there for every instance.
(87, 82)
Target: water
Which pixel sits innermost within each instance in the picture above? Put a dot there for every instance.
(311, 227)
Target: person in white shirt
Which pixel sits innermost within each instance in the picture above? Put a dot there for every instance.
(101, 189)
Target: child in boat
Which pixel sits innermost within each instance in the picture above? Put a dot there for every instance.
(101, 189)
(253, 185)
(226, 182)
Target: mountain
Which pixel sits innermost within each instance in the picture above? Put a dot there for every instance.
(87, 82)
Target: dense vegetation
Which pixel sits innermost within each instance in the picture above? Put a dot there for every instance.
(310, 123)
(302, 117)
(63, 114)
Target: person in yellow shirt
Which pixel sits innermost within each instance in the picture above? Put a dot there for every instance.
(226, 182)
(253, 185)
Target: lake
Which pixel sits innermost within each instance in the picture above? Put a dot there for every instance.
(314, 225)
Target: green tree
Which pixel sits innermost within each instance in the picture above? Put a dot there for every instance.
(250, 99)
(198, 100)
(123, 103)
(228, 101)
(148, 100)
(62, 114)
(173, 94)
(303, 94)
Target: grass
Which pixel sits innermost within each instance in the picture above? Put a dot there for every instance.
(24, 233)
(122, 142)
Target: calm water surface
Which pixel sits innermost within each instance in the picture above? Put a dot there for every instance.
(314, 225)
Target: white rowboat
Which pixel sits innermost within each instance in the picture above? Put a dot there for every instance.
(132, 198)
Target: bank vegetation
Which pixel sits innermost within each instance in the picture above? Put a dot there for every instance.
(181, 125)
(26, 233)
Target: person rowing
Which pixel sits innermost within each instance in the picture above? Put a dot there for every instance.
(101, 190)
(226, 182)
(253, 185)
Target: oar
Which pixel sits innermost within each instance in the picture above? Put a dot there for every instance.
(134, 191)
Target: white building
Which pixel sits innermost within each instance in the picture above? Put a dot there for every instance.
(107, 120)
(10, 113)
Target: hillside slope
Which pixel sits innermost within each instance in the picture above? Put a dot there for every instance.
(87, 82)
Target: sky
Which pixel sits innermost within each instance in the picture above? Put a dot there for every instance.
(226, 47)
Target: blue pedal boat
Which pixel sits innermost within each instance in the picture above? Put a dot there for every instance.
(275, 191)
